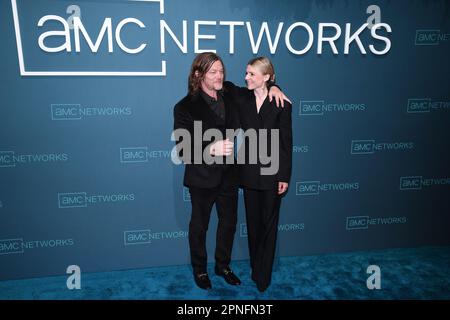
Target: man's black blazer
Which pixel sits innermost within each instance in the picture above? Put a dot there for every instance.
(194, 108)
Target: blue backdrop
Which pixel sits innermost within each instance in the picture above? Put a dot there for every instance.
(86, 175)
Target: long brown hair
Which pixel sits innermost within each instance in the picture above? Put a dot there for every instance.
(201, 64)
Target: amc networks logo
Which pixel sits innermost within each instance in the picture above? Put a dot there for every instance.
(142, 154)
(70, 111)
(72, 30)
(305, 188)
(310, 188)
(419, 182)
(320, 107)
(363, 222)
(425, 105)
(136, 237)
(18, 245)
(135, 154)
(418, 105)
(430, 37)
(357, 222)
(82, 199)
(11, 158)
(362, 146)
(371, 146)
(312, 108)
(145, 236)
(411, 183)
(8, 246)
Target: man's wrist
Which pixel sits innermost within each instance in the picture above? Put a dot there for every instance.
(271, 84)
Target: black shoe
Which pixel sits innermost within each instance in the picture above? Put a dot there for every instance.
(202, 281)
(261, 288)
(228, 275)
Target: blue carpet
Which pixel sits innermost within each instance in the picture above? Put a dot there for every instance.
(411, 273)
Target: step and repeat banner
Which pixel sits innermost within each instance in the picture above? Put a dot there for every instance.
(86, 115)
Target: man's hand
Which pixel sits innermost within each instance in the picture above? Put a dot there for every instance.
(282, 187)
(221, 148)
(279, 96)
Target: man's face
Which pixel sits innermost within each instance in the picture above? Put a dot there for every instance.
(213, 79)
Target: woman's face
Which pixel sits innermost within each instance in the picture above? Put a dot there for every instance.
(255, 78)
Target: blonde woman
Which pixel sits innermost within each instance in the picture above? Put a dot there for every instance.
(262, 193)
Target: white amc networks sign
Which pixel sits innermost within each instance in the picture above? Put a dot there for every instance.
(71, 27)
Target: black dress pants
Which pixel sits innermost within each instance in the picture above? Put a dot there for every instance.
(262, 209)
(202, 199)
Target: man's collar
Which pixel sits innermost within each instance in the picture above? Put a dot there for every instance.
(210, 99)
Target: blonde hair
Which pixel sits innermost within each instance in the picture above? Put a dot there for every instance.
(265, 66)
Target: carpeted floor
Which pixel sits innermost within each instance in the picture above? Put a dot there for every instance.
(412, 273)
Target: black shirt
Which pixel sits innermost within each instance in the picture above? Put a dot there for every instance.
(218, 106)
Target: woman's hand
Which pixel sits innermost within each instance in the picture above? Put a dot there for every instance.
(282, 187)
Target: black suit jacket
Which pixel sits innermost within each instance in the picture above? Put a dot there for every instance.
(269, 117)
(194, 108)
